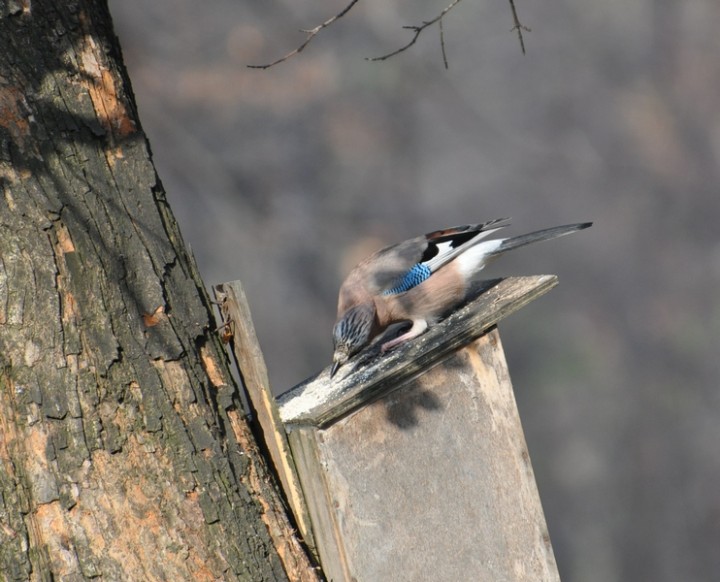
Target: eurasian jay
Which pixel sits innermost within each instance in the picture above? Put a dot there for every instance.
(419, 281)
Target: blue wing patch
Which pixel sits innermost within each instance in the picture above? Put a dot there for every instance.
(416, 275)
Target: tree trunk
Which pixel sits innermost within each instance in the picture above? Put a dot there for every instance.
(123, 450)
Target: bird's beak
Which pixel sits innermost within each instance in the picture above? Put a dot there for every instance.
(336, 365)
(339, 358)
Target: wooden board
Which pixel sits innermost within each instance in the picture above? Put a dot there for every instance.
(251, 365)
(431, 481)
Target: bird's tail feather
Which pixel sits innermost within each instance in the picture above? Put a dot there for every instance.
(538, 236)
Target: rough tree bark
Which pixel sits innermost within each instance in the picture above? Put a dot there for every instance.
(123, 450)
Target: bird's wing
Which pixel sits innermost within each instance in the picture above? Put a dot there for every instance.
(401, 267)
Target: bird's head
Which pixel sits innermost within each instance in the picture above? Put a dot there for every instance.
(352, 332)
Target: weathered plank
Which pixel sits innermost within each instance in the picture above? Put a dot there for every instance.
(432, 481)
(251, 364)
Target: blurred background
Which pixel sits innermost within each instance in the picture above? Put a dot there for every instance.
(284, 178)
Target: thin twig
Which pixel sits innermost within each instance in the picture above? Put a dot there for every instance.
(517, 26)
(442, 44)
(417, 30)
(311, 34)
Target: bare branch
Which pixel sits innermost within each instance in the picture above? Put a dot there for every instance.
(442, 45)
(417, 30)
(517, 26)
(311, 34)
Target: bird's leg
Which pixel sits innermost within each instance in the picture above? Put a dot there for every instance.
(418, 326)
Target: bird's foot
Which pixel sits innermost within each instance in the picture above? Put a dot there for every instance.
(418, 327)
